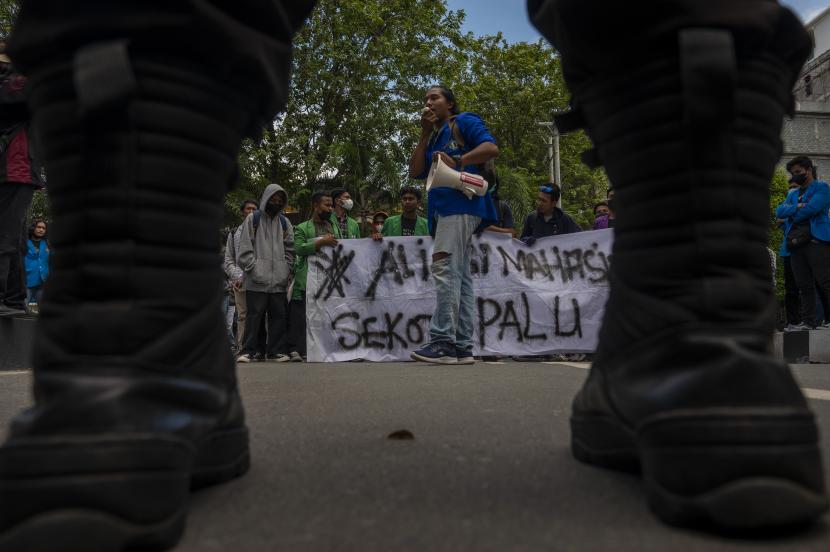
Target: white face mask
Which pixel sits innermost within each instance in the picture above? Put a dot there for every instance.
(348, 204)
(378, 227)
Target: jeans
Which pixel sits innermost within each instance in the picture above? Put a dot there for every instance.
(811, 267)
(453, 321)
(34, 294)
(241, 317)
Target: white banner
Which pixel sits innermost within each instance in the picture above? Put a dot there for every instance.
(374, 300)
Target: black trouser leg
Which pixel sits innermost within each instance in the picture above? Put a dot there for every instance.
(298, 325)
(15, 199)
(276, 323)
(806, 281)
(792, 303)
(255, 341)
(819, 257)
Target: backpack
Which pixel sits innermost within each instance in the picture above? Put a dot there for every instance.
(486, 169)
(258, 216)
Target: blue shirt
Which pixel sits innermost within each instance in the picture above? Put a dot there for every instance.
(447, 201)
(816, 201)
(36, 263)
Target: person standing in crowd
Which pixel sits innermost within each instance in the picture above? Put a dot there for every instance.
(408, 223)
(463, 142)
(504, 223)
(548, 219)
(309, 237)
(378, 220)
(235, 274)
(343, 204)
(601, 215)
(266, 255)
(36, 261)
(19, 177)
(805, 212)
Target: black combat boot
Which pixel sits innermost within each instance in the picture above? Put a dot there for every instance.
(684, 107)
(135, 390)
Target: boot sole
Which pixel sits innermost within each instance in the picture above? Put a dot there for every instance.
(154, 492)
(730, 471)
(439, 360)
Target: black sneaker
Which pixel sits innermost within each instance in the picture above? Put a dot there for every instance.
(464, 356)
(436, 353)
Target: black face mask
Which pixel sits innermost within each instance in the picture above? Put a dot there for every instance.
(799, 179)
(272, 209)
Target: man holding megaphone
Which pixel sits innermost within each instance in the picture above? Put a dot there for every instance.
(450, 154)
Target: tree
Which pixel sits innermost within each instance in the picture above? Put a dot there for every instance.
(361, 70)
(8, 15)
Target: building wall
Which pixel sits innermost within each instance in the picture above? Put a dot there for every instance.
(820, 29)
(808, 133)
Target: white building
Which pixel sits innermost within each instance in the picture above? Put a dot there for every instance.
(808, 133)
(814, 82)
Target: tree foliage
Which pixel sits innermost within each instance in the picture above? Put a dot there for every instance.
(361, 70)
(8, 15)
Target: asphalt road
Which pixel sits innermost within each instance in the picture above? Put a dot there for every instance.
(488, 470)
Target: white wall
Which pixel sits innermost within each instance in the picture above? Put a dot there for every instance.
(821, 32)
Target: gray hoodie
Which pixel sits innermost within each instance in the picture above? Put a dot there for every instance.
(267, 253)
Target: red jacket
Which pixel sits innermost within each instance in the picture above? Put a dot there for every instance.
(17, 163)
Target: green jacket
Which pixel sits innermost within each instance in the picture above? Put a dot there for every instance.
(351, 224)
(393, 227)
(304, 235)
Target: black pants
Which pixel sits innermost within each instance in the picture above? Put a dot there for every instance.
(296, 315)
(268, 308)
(792, 303)
(811, 267)
(15, 199)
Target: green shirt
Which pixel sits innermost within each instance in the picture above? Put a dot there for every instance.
(351, 224)
(305, 235)
(393, 227)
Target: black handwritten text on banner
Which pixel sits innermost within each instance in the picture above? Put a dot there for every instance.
(374, 300)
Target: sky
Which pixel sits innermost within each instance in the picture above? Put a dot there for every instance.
(510, 16)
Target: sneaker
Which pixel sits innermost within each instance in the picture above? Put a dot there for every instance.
(277, 358)
(798, 328)
(295, 357)
(464, 356)
(436, 353)
(6, 310)
(825, 326)
(246, 358)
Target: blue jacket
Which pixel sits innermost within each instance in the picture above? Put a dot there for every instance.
(815, 210)
(36, 263)
(446, 201)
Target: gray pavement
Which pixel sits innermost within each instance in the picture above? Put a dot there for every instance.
(489, 468)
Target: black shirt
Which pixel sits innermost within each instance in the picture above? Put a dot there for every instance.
(408, 226)
(558, 223)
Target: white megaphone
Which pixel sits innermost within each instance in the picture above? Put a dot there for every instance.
(441, 176)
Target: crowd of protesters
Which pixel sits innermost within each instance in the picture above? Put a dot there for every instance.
(266, 257)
